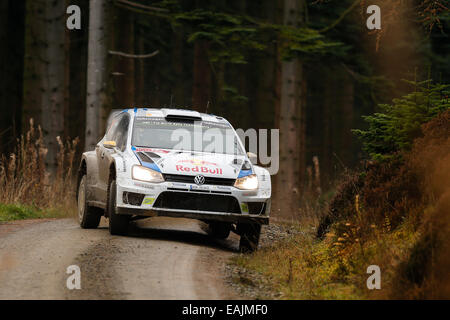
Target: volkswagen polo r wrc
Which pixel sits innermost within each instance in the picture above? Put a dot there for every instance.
(176, 163)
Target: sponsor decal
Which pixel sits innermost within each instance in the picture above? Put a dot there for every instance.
(244, 173)
(152, 166)
(244, 207)
(249, 194)
(148, 200)
(222, 188)
(176, 184)
(202, 169)
(143, 185)
(197, 162)
(144, 149)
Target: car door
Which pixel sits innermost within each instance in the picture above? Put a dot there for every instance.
(104, 158)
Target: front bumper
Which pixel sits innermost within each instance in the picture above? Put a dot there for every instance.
(200, 215)
(150, 206)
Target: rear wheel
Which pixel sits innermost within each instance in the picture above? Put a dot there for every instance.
(219, 230)
(88, 217)
(118, 224)
(250, 233)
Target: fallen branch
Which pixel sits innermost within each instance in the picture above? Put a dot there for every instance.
(133, 56)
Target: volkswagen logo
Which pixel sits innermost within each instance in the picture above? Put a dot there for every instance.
(199, 179)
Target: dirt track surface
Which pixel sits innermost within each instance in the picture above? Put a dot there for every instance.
(161, 258)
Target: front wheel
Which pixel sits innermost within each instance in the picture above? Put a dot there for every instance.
(118, 224)
(250, 233)
(88, 217)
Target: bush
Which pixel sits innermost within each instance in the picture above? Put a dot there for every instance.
(424, 274)
(390, 193)
(396, 213)
(342, 205)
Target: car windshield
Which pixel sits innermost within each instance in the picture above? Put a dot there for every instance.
(185, 135)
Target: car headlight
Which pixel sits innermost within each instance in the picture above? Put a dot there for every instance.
(145, 174)
(247, 183)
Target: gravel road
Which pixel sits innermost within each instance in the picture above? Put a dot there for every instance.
(161, 258)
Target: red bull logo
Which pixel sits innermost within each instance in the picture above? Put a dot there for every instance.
(198, 169)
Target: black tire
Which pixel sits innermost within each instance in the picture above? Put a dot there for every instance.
(219, 230)
(118, 224)
(88, 217)
(250, 233)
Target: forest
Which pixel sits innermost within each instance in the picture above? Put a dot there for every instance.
(363, 114)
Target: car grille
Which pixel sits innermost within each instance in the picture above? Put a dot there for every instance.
(190, 179)
(197, 201)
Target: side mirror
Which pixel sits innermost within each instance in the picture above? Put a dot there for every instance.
(252, 157)
(109, 144)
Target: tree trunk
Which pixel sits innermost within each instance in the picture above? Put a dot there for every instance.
(290, 176)
(78, 47)
(44, 77)
(12, 19)
(178, 39)
(124, 83)
(262, 94)
(139, 65)
(347, 101)
(329, 100)
(201, 92)
(96, 97)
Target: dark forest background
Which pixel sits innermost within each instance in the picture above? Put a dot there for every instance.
(240, 59)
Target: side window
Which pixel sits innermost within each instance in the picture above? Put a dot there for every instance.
(121, 132)
(110, 134)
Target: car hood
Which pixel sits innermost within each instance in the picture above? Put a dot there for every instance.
(193, 163)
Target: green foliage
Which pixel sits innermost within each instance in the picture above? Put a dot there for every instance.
(398, 124)
(232, 36)
(232, 94)
(10, 212)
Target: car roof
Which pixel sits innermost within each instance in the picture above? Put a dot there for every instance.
(164, 112)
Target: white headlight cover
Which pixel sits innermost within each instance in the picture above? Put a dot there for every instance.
(145, 174)
(249, 182)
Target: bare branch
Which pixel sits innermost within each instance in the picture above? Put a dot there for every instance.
(133, 56)
(341, 17)
(138, 5)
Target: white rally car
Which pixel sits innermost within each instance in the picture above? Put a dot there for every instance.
(177, 163)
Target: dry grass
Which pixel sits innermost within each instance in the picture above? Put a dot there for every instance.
(25, 179)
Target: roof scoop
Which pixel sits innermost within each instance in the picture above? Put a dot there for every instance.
(180, 115)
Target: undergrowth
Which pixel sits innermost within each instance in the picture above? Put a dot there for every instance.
(394, 214)
(28, 189)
